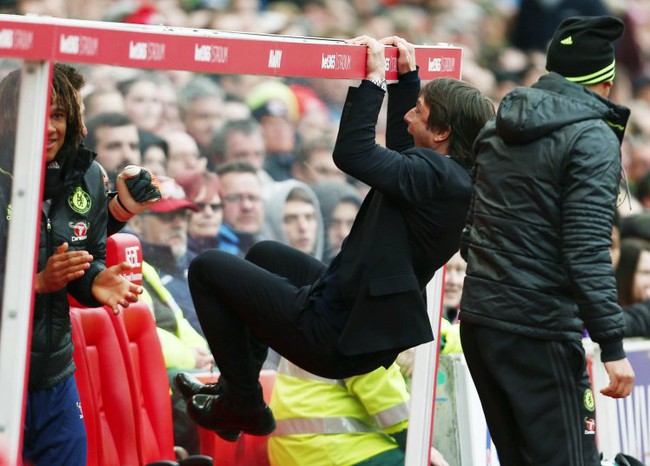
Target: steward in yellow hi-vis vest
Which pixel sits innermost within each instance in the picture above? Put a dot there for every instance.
(361, 420)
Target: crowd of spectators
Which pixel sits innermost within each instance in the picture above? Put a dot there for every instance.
(225, 141)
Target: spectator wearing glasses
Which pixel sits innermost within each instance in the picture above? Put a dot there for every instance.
(203, 227)
(243, 209)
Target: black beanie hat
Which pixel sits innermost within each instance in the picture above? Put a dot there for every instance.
(581, 49)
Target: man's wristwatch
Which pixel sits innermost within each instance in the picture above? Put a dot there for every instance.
(379, 83)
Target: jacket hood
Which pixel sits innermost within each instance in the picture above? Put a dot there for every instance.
(275, 196)
(527, 114)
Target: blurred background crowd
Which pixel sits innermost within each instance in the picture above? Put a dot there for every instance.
(243, 158)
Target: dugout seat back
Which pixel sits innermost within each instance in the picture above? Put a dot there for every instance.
(140, 400)
(104, 389)
(150, 386)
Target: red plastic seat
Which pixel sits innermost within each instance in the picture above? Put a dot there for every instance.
(150, 386)
(249, 449)
(122, 377)
(104, 389)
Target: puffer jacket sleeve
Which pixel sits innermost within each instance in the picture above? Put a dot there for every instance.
(590, 189)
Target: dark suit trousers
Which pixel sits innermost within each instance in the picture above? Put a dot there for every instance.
(267, 299)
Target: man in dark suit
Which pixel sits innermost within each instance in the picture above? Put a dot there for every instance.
(368, 305)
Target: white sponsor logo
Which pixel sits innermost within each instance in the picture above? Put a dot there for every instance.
(210, 53)
(445, 64)
(78, 45)
(390, 64)
(16, 39)
(146, 51)
(336, 61)
(131, 254)
(275, 58)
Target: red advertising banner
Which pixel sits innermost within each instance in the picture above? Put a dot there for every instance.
(161, 47)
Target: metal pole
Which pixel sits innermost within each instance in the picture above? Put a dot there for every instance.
(22, 245)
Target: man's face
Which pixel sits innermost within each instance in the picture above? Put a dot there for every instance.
(203, 117)
(117, 147)
(416, 118)
(300, 225)
(155, 160)
(206, 222)
(320, 168)
(166, 229)
(183, 154)
(241, 195)
(246, 147)
(143, 105)
(454, 278)
(279, 134)
(340, 224)
(56, 129)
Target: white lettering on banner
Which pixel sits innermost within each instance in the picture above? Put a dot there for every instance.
(16, 39)
(390, 64)
(633, 420)
(146, 51)
(445, 64)
(133, 277)
(6, 38)
(69, 44)
(210, 53)
(336, 61)
(201, 53)
(275, 58)
(78, 45)
(131, 254)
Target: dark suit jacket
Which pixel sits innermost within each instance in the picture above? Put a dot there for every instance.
(408, 226)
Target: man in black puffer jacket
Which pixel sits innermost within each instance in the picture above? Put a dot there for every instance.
(539, 271)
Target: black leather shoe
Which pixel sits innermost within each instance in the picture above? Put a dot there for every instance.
(188, 386)
(216, 413)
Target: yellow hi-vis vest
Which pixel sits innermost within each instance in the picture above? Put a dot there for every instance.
(327, 422)
(177, 347)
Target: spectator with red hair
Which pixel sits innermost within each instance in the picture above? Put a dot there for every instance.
(203, 227)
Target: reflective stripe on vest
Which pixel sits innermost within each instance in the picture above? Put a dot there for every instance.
(334, 425)
(287, 368)
(330, 425)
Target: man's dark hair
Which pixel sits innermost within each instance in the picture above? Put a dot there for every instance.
(461, 108)
(218, 144)
(299, 194)
(66, 82)
(108, 119)
(236, 167)
(308, 147)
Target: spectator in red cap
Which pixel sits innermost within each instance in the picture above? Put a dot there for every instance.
(163, 233)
